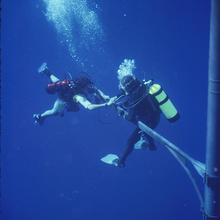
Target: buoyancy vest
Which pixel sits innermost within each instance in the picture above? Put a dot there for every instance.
(63, 87)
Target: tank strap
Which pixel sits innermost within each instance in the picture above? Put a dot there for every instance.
(165, 100)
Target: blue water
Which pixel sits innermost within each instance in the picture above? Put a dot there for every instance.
(54, 171)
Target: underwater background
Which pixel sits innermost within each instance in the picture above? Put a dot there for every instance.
(54, 171)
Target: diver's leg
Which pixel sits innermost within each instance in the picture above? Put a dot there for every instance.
(46, 71)
(54, 78)
(129, 146)
(59, 105)
(57, 108)
(152, 124)
(151, 145)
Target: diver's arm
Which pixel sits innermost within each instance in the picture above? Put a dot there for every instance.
(131, 115)
(83, 101)
(104, 98)
(96, 106)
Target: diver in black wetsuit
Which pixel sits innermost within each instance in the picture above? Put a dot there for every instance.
(143, 101)
(142, 106)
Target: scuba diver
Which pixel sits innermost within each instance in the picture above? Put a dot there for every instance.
(71, 92)
(144, 101)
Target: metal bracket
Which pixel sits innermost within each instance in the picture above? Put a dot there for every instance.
(211, 181)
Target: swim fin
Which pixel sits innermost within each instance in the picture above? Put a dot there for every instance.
(141, 144)
(42, 68)
(109, 159)
(38, 119)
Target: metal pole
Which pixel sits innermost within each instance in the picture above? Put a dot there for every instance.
(212, 177)
(180, 157)
(175, 151)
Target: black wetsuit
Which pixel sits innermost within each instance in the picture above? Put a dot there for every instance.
(147, 111)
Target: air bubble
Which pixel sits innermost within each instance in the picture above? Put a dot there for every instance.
(75, 23)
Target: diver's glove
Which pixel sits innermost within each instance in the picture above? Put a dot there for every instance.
(118, 163)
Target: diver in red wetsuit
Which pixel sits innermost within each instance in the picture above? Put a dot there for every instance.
(71, 93)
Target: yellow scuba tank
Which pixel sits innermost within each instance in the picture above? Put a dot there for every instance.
(164, 102)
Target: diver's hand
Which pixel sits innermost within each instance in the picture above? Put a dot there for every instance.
(106, 97)
(112, 101)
